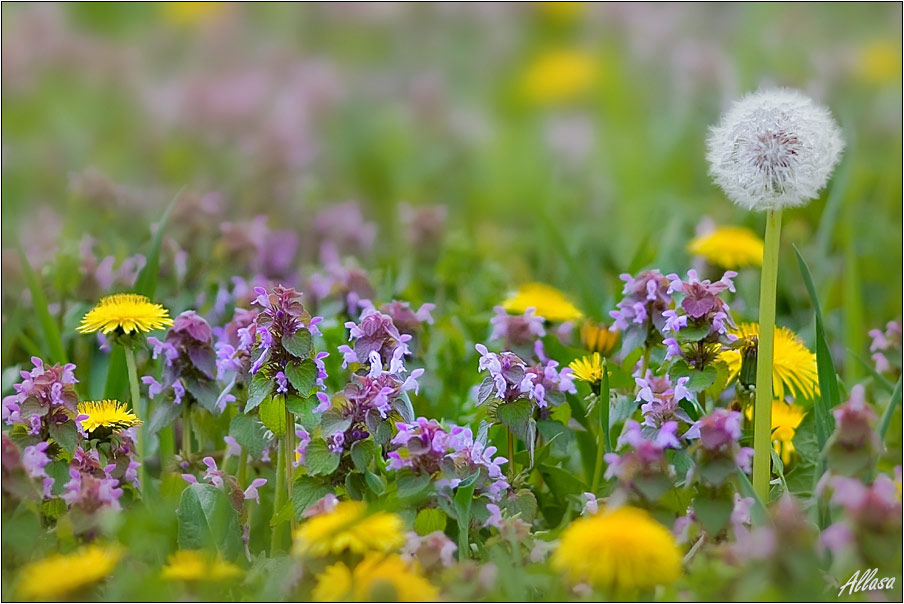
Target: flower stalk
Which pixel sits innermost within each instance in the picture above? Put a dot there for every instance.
(186, 430)
(279, 499)
(138, 410)
(762, 411)
(604, 443)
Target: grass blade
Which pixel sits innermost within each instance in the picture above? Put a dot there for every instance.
(146, 284)
(890, 411)
(829, 393)
(52, 338)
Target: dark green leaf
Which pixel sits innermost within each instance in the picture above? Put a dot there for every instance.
(146, 284)
(258, 390)
(713, 513)
(307, 491)
(299, 344)
(249, 433)
(374, 483)
(464, 495)
(516, 417)
(65, 435)
(334, 420)
(302, 376)
(303, 409)
(319, 460)
(207, 520)
(412, 484)
(363, 453)
(273, 414)
(430, 520)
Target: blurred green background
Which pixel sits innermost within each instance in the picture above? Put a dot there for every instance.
(565, 140)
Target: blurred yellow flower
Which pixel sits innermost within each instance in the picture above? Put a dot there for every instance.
(785, 420)
(349, 527)
(62, 575)
(128, 312)
(880, 62)
(793, 366)
(620, 551)
(550, 303)
(192, 13)
(194, 565)
(589, 368)
(106, 415)
(559, 76)
(729, 247)
(596, 337)
(561, 11)
(377, 578)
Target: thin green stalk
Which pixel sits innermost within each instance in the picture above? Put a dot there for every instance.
(276, 541)
(167, 444)
(762, 410)
(139, 411)
(242, 475)
(289, 452)
(603, 440)
(511, 455)
(186, 430)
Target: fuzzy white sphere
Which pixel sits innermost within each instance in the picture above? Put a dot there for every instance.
(774, 149)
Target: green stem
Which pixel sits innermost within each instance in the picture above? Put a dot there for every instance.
(140, 412)
(243, 468)
(762, 410)
(167, 444)
(604, 443)
(511, 455)
(289, 452)
(186, 430)
(276, 541)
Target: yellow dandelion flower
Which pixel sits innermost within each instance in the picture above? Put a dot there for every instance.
(620, 550)
(596, 337)
(349, 527)
(377, 578)
(729, 247)
(880, 62)
(793, 365)
(785, 420)
(589, 368)
(62, 575)
(194, 565)
(106, 416)
(550, 303)
(561, 11)
(127, 312)
(559, 76)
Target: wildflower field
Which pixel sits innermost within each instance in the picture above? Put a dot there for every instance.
(451, 302)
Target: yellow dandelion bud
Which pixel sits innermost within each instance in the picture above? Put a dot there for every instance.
(597, 337)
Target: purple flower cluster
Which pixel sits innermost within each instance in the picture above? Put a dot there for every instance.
(45, 396)
(188, 357)
(450, 455)
(235, 340)
(517, 332)
(647, 457)
(374, 332)
(216, 477)
(661, 399)
(646, 298)
(262, 250)
(870, 512)
(34, 458)
(342, 229)
(511, 379)
(283, 316)
(407, 320)
(887, 344)
(91, 488)
(348, 283)
(855, 423)
(718, 434)
(703, 314)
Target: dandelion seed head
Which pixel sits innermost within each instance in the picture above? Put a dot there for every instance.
(774, 149)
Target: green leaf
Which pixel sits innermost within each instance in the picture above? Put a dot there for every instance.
(758, 513)
(299, 344)
(258, 390)
(273, 414)
(146, 284)
(334, 420)
(412, 484)
(562, 482)
(464, 495)
(829, 394)
(39, 303)
(318, 458)
(374, 483)
(303, 409)
(207, 520)
(516, 417)
(713, 513)
(430, 520)
(522, 503)
(284, 515)
(699, 380)
(205, 392)
(890, 410)
(363, 453)
(307, 491)
(65, 435)
(302, 376)
(249, 433)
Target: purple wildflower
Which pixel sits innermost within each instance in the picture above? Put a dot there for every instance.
(251, 491)
(375, 331)
(646, 457)
(646, 298)
(45, 396)
(432, 551)
(517, 331)
(886, 347)
(511, 379)
(661, 400)
(407, 320)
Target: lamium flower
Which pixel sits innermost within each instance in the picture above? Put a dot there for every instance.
(407, 320)
(195, 565)
(598, 337)
(886, 348)
(90, 493)
(511, 379)
(717, 437)
(62, 576)
(228, 483)
(855, 445)
(375, 331)
(347, 283)
(235, 341)
(433, 551)
(547, 301)
(643, 469)
(774, 149)
(517, 332)
(34, 459)
(349, 527)
(44, 396)
(661, 400)
(728, 247)
(793, 366)
(189, 360)
(447, 455)
(377, 578)
(282, 317)
(639, 315)
(125, 313)
(618, 551)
